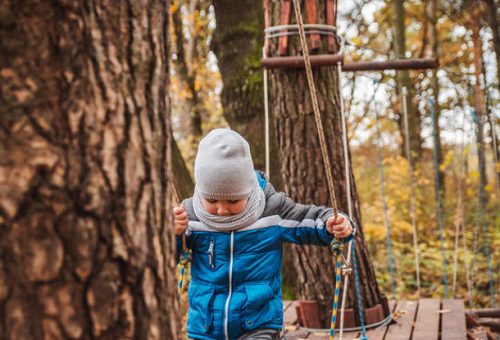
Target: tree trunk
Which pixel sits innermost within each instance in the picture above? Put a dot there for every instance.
(431, 9)
(85, 246)
(492, 18)
(403, 80)
(302, 166)
(492, 15)
(479, 103)
(238, 41)
(184, 64)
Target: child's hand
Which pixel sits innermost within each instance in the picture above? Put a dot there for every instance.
(180, 220)
(339, 227)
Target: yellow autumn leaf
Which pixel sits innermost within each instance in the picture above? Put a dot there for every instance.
(356, 41)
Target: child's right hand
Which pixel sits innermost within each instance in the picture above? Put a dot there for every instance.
(180, 220)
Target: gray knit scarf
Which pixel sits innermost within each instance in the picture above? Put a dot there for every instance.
(252, 212)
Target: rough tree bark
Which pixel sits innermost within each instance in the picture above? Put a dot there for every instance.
(85, 246)
(403, 80)
(302, 166)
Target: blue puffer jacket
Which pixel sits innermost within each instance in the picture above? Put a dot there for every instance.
(235, 276)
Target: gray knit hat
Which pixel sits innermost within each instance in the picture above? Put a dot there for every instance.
(223, 168)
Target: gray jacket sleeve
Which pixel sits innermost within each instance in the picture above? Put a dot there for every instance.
(300, 223)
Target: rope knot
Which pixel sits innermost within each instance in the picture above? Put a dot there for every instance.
(186, 257)
(337, 246)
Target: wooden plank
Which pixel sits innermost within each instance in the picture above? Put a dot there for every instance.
(405, 314)
(427, 322)
(290, 315)
(379, 334)
(326, 336)
(453, 320)
(296, 334)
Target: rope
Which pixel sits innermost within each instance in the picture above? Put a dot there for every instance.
(481, 198)
(314, 98)
(412, 193)
(296, 27)
(474, 252)
(266, 112)
(385, 203)
(493, 124)
(186, 254)
(337, 247)
(186, 257)
(459, 207)
(348, 188)
(438, 195)
(358, 294)
(376, 325)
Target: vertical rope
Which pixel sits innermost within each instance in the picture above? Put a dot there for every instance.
(438, 195)
(186, 254)
(266, 111)
(358, 294)
(412, 193)
(385, 202)
(349, 198)
(314, 99)
(474, 253)
(481, 198)
(337, 248)
(459, 206)
(495, 146)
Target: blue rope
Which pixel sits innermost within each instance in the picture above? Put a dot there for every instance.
(385, 206)
(438, 195)
(474, 252)
(481, 197)
(185, 259)
(358, 294)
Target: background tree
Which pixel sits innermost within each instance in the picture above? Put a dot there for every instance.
(302, 166)
(403, 80)
(238, 41)
(85, 246)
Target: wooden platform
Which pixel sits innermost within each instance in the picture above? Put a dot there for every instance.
(426, 319)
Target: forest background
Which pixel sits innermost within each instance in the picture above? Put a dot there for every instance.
(467, 81)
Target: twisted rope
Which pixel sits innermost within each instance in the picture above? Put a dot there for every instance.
(412, 193)
(483, 208)
(384, 200)
(438, 195)
(338, 248)
(186, 254)
(314, 98)
(358, 294)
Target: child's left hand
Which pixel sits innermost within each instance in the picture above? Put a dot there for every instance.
(339, 227)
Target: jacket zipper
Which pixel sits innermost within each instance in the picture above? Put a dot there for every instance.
(211, 254)
(230, 287)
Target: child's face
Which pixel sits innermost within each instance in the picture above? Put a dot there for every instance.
(224, 207)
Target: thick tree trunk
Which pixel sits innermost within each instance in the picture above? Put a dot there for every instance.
(403, 80)
(238, 41)
(302, 166)
(85, 246)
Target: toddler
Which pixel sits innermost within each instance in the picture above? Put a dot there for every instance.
(236, 224)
